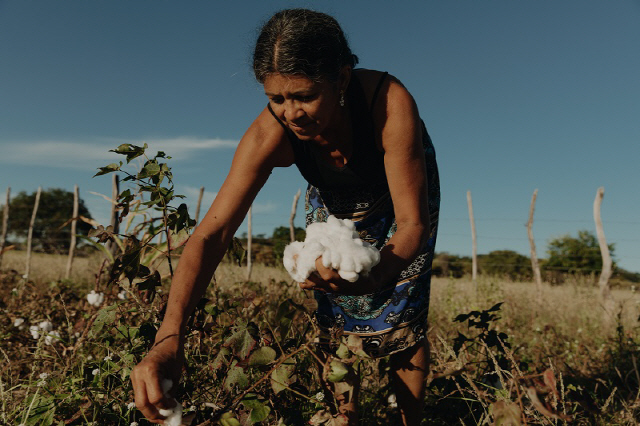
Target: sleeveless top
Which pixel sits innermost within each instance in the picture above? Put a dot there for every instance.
(394, 318)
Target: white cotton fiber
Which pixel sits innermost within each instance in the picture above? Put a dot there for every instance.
(340, 247)
(173, 415)
(95, 299)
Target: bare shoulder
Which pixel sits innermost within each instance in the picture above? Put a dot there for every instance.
(265, 141)
(394, 106)
(390, 89)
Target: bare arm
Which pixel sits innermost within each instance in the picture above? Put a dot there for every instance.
(407, 176)
(260, 150)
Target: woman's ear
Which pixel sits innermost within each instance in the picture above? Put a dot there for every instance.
(344, 77)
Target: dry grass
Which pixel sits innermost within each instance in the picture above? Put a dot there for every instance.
(570, 309)
(591, 357)
(52, 267)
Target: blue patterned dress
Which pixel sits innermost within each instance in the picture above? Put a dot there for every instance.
(394, 318)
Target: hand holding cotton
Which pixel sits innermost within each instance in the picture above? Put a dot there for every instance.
(173, 415)
(340, 247)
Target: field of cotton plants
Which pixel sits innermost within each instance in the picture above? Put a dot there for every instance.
(499, 354)
(497, 357)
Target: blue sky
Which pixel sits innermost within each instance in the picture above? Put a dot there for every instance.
(516, 96)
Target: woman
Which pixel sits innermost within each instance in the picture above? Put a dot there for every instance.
(358, 140)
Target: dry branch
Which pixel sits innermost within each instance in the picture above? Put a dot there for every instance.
(5, 221)
(30, 236)
(474, 243)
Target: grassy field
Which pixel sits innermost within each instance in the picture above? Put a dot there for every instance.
(250, 361)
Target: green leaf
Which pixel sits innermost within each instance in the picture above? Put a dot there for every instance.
(228, 419)
(262, 356)
(284, 317)
(338, 370)
(150, 169)
(221, 358)
(343, 351)
(150, 282)
(259, 413)
(105, 316)
(180, 219)
(113, 167)
(236, 376)
(251, 401)
(283, 376)
(241, 342)
(130, 150)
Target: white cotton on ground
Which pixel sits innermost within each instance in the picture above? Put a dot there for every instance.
(340, 247)
(52, 336)
(173, 415)
(95, 299)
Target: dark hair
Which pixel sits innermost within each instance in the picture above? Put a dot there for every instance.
(302, 41)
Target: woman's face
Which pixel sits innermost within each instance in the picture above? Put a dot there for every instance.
(308, 108)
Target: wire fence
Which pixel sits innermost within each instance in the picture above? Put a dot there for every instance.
(52, 232)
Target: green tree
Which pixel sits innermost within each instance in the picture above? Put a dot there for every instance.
(282, 236)
(575, 255)
(451, 265)
(506, 263)
(55, 208)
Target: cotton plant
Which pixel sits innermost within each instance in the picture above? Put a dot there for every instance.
(95, 299)
(338, 244)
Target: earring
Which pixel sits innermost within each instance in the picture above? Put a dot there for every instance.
(342, 98)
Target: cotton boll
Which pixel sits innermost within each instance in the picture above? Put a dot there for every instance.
(51, 337)
(46, 326)
(173, 415)
(19, 323)
(95, 299)
(35, 331)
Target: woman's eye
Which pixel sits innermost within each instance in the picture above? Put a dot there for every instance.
(276, 100)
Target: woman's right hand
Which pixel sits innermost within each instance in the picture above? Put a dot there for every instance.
(164, 361)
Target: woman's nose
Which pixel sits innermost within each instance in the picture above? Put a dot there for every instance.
(292, 111)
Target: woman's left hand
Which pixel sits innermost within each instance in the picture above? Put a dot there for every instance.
(329, 281)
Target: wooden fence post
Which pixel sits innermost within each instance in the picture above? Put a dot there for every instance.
(603, 283)
(292, 229)
(198, 206)
(74, 224)
(534, 257)
(5, 222)
(474, 247)
(30, 235)
(249, 265)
